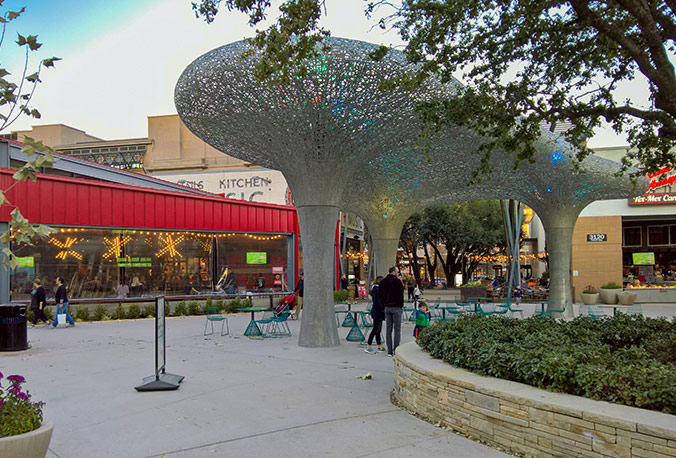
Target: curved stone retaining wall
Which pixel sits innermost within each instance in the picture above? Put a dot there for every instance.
(525, 419)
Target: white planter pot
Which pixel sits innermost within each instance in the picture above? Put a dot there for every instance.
(33, 444)
(589, 299)
(609, 296)
(626, 298)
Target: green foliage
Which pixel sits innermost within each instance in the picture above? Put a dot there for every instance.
(119, 313)
(590, 289)
(134, 312)
(234, 304)
(100, 313)
(523, 63)
(148, 311)
(611, 285)
(340, 296)
(623, 359)
(220, 303)
(29, 315)
(49, 313)
(18, 414)
(194, 308)
(473, 284)
(81, 313)
(181, 309)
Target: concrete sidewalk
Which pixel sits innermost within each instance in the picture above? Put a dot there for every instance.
(240, 397)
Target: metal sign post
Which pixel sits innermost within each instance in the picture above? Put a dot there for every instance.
(161, 381)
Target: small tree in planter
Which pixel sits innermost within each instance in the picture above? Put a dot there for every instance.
(590, 295)
(609, 292)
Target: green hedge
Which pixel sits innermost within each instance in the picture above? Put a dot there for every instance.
(623, 359)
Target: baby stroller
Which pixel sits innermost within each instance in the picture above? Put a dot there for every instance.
(289, 301)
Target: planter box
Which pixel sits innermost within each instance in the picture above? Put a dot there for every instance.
(609, 296)
(33, 444)
(589, 299)
(626, 298)
(472, 291)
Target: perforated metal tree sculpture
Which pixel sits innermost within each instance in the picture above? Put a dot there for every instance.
(392, 187)
(317, 131)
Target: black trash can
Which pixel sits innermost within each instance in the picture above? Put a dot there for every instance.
(13, 327)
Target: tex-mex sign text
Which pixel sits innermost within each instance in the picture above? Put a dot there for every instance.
(660, 189)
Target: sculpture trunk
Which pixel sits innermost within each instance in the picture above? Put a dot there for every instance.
(318, 230)
(559, 228)
(385, 251)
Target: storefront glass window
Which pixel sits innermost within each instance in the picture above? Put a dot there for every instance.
(632, 236)
(242, 257)
(95, 261)
(658, 235)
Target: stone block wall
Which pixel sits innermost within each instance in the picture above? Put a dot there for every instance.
(524, 419)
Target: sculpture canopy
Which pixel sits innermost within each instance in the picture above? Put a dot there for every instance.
(342, 142)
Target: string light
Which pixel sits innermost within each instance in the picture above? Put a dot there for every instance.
(170, 245)
(65, 248)
(504, 258)
(115, 246)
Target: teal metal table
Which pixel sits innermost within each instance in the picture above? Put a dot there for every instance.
(253, 330)
(355, 334)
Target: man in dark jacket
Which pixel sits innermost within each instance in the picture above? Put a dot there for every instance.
(38, 302)
(299, 290)
(392, 297)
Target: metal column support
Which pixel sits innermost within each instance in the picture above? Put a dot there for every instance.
(513, 218)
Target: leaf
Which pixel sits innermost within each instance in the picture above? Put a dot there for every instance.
(21, 40)
(50, 62)
(11, 15)
(35, 77)
(32, 41)
(3, 199)
(366, 376)
(3, 73)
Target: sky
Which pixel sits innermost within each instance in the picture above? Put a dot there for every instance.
(122, 58)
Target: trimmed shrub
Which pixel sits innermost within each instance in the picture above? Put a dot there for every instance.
(148, 311)
(220, 303)
(119, 313)
(622, 359)
(81, 313)
(194, 308)
(100, 313)
(49, 313)
(29, 315)
(180, 309)
(134, 311)
(340, 296)
(234, 304)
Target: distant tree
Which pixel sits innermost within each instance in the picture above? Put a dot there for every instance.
(15, 101)
(526, 62)
(466, 230)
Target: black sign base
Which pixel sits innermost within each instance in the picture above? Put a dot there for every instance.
(161, 382)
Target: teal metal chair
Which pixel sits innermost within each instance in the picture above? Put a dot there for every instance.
(592, 311)
(214, 315)
(634, 309)
(279, 327)
(266, 320)
(508, 309)
(551, 313)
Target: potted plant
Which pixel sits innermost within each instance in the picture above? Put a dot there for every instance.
(23, 433)
(590, 295)
(609, 292)
(626, 297)
(471, 289)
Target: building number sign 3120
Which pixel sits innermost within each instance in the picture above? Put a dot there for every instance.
(597, 237)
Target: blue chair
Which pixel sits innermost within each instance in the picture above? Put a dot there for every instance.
(214, 315)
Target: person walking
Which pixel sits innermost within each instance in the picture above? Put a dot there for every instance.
(410, 285)
(38, 302)
(391, 294)
(61, 299)
(378, 316)
(299, 290)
